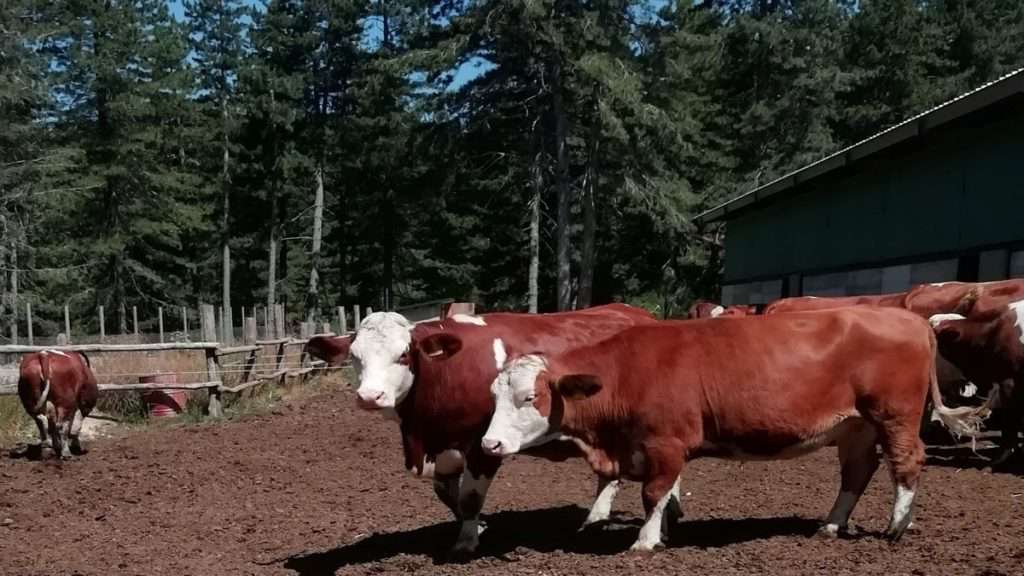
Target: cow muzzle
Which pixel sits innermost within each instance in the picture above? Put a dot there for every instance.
(374, 400)
(495, 447)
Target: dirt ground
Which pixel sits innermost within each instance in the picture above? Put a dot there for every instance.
(317, 487)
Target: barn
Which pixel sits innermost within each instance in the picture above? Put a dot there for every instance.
(935, 198)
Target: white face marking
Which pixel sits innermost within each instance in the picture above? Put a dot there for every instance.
(382, 339)
(937, 319)
(499, 354)
(1018, 310)
(516, 424)
(467, 319)
(717, 311)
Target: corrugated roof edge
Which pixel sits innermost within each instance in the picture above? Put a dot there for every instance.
(980, 97)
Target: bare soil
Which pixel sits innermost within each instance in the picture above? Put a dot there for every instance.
(317, 487)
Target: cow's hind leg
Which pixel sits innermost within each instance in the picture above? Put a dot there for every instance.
(36, 450)
(76, 430)
(904, 453)
(60, 433)
(858, 460)
(601, 510)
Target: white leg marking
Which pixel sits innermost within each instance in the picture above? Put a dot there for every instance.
(602, 507)
(650, 534)
(901, 508)
(839, 517)
(41, 424)
(76, 423)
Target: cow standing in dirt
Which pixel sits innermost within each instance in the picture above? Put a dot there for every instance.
(645, 401)
(58, 390)
(990, 348)
(333, 350)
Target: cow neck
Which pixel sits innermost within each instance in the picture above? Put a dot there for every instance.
(596, 421)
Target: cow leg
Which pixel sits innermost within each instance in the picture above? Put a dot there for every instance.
(904, 453)
(858, 461)
(664, 466)
(36, 450)
(447, 489)
(76, 429)
(60, 433)
(472, 493)
(1009, 422)
(601, 510)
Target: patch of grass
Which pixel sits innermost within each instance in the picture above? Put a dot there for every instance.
(15, 425)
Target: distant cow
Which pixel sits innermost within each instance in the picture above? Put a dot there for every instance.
(964, 298)
(702, 309)
(333, 350)
(58, 390)
(645, 401)
(801, 303)
(436, 377)
(990, 348)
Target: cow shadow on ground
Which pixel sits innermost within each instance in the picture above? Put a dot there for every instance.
(546, 530)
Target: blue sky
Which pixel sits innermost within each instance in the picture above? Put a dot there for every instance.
(463, 74)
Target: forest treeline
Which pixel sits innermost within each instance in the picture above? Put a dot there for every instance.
(522, 154)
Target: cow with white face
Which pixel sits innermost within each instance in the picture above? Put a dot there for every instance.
(435, 377)
(380, 355)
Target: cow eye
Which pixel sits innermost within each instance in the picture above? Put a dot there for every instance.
(529, 398)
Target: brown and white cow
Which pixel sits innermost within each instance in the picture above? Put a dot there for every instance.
(58, 390)
(702, 309)
(645, 401)
(436, 377)
(962, 297)
(333, 350)
(990, 348)
(805, 303)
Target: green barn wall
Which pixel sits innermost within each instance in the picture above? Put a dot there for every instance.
(959, 191)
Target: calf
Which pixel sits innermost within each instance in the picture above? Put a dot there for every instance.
(58, 390)
(333, 350)
(645, 401)
(990, 348)
(435, 378)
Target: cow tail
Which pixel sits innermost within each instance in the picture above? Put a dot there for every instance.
(44, 373)
(963, 421)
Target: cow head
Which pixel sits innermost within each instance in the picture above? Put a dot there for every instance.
(381, 354)
(528, 403)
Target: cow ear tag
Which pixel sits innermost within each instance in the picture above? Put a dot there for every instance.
(441, 346)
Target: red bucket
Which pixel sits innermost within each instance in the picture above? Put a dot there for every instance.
(163, 403)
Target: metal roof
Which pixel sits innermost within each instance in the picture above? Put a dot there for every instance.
(914, 127)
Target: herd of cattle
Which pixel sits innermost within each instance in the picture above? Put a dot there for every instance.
(638, 398)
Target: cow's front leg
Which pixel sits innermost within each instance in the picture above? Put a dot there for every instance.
(60, 435)
(447, 489)
(1012, 404)
(76, 429)
(673, 510)
(601, 510)
(665, 463)
(472, 493)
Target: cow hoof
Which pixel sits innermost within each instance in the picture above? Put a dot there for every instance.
(643, 548)
(459, 555)
(829, 531)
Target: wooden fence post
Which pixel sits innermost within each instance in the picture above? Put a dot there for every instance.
(250, 335)
(220, 331)
(135, 321)
(208, 323)
(160, 321)
(103, 328)
(266, 323)
(355, 317)
(28, 323)
(305, 328)
(279, 320)
(184, 321)
(326, 328)
(342, 328)
(369, 310)
(67, 324)
(62, 339)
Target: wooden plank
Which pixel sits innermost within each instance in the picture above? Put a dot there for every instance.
(251, 332)
(342, 321)
(28, 323)
(21, 349)
(275, 342)
(67, 323)
(135, 320)
(158, 386)
(103, 328)
(237, 350)
(279, 331)
(160, 318)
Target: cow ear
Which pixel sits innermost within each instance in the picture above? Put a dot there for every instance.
(967, 303)
(948, 331)
(578, 386)
(440, 346)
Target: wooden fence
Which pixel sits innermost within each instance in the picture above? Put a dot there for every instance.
(253, 370)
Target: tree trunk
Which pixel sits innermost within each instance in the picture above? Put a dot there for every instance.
(272, 255)
(225, 232)
(313, 296)
(587, 258)
(536, 186)
(562, 187)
